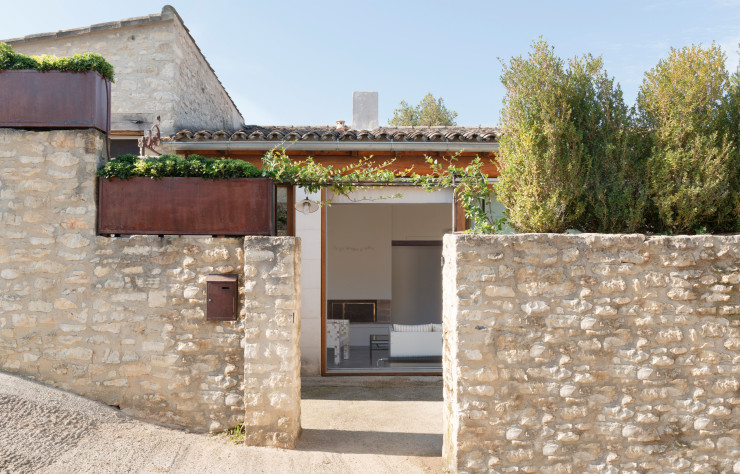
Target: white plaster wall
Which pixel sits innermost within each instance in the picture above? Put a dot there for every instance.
(359, 256)
(308, 228)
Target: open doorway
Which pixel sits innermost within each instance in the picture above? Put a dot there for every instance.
(383, 310)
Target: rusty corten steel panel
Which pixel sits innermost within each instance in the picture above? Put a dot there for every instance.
(186, 206)
(54, 99)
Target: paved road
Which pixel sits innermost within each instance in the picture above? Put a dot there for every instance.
(347, 427)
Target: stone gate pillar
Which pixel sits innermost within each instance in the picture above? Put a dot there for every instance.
(272, 327)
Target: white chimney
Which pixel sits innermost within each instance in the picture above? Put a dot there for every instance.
(364, 110)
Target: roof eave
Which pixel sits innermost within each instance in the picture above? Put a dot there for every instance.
(228, 145)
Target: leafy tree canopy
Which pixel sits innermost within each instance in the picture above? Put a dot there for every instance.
(686, 105)
(565, 159)
(430, 111)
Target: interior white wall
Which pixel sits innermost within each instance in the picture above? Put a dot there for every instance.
(417, 285)
(421, 221)
(358, 252)
(362, 264)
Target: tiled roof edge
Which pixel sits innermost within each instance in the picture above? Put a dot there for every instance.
(256, 133)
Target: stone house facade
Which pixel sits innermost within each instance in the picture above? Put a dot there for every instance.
(160, 71)
(367, 246)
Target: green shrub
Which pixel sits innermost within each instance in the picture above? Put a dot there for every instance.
(12, 60)
(683, 104)
(733, 118)
(542, 169)
(616, 189)
(567, 157)
(128, 166)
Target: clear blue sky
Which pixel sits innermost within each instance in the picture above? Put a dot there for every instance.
(297, 62)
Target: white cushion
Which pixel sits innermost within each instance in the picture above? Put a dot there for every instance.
(413, 327)
(415, 344)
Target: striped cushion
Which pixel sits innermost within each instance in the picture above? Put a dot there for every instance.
(412, 327)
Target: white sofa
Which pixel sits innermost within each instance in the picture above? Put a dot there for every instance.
(422, 340)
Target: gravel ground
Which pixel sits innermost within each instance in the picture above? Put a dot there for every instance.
(360, 425)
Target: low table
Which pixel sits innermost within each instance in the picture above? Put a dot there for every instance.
(378, 342)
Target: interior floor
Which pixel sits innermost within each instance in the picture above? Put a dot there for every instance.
(361, 360)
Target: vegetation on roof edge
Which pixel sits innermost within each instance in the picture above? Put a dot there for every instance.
(130, 166)
(12, 60)
(469, 182)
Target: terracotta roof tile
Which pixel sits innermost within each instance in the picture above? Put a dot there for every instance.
(330, 133)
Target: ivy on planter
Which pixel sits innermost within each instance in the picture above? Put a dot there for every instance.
(470, 184)
(12, 60)
(129, 166)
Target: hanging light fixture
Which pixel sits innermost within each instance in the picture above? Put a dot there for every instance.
(306, 206)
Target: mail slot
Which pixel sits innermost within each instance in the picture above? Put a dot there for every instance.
(222, 297)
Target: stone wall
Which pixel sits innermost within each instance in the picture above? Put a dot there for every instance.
(159, 71)
(201, 101)
(122, 320)
(592, 353)
(272, 356)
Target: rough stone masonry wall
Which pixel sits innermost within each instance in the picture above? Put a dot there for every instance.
(122, 320)
(592, 353)
(272, 355)
(202, 102)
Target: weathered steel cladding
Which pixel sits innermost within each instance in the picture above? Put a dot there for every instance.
(54, 99)
(186, 206)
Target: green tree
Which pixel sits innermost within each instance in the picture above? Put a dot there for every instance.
(683, 104)
(732, 108)
(566, 156)
(615, 196)
(430, 111)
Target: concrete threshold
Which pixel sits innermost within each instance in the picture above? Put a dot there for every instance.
(373, 381)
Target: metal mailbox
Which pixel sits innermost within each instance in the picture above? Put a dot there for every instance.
(222, 297)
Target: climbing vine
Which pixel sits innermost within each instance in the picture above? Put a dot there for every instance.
(470, 184)
(471, 187)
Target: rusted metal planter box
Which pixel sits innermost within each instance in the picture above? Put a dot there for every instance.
(186, 206)
(54, 99)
